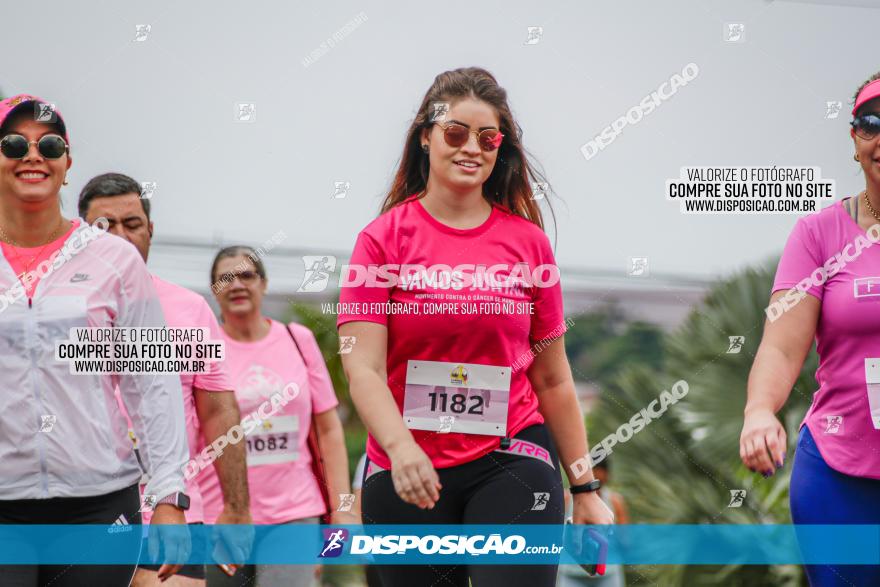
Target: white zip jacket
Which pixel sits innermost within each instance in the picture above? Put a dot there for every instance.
(96, 280)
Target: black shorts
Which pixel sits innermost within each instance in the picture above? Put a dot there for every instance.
(119, 509)
(193, 571)
(498, 488)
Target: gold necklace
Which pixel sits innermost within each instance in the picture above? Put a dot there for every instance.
(870, 207)
(19, 256)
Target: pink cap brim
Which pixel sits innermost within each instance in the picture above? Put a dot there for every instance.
(871, 91)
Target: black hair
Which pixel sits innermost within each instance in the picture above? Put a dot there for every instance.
(24, 111)
(873, 78)
(108, 185)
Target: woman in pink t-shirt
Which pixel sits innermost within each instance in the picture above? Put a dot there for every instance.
(827, 287)
(446, 291)
(268, 360)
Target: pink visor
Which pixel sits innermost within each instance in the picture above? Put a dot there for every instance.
(868, 93)
(43, 111)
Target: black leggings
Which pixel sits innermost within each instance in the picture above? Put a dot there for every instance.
(100, 509)
(497, 488)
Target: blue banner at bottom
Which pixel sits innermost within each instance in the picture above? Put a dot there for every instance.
(442, 544)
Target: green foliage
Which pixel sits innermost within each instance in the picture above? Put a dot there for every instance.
(681, 467)
(602, 342)
(323, 326)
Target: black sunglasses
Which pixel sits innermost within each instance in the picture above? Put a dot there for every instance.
(17, 146)
(867, 126)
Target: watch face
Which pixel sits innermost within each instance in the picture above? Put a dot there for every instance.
(183, 501)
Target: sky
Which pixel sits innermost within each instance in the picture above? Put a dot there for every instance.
(165, 109)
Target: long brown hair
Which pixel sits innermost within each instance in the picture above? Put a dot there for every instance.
(509, 184)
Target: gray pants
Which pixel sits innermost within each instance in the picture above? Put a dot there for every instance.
(266, 575)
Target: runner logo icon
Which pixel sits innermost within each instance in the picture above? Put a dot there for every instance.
(334, 543)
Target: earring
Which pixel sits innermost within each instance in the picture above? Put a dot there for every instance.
(425, 149)
(65, 182)
(856, 157)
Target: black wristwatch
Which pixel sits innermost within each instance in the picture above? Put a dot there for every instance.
(593, 485)
(177, 499)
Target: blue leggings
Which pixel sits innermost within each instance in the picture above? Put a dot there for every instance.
(821, 495)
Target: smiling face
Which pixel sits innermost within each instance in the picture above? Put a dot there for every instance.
(33, 181)
(239, 296)
(466, 167)
(869, 151)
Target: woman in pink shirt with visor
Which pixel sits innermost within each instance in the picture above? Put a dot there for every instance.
(446, 294)
(827, 287)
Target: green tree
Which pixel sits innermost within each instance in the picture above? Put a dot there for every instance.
(602, 342)
(681, 467)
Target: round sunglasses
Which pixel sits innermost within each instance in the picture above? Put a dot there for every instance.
(457, 135)
(17, 146)
(867, 126)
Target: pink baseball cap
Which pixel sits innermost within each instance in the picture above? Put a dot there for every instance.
(868, 93)
(43, 111)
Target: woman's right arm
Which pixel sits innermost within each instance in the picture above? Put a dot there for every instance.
(414, 477)
(780, 357)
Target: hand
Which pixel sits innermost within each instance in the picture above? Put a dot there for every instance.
(762, 443)
(168, 528)
(414, 477)
(345, 519)
(589, 509)
(232, 545)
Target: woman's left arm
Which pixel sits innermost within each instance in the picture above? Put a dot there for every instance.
(332, 444)
(551, 379)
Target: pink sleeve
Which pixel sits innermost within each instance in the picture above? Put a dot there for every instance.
(217, 377)
(548, 319)
(320, 385)
(355, 299)
(800, 258)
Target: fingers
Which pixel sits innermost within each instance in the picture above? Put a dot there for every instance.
(779, 456)
(166, 571)
(418, 485)
(760, 456)
(762, 451)
(418, 488)
(436, 486)
(430, 481)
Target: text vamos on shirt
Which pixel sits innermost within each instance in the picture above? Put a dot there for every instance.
(455, 312)
(847, 333)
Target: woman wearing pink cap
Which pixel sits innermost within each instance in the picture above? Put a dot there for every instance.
(65, 457)
(447, 290)
(268, 361)
(827, 287)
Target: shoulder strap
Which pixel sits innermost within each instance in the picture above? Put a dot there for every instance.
(298, 349)
(318, 468)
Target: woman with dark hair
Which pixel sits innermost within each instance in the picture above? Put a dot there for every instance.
(826, 288)
(65, 457)
(455, 281)
(271, 361)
